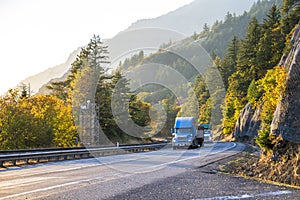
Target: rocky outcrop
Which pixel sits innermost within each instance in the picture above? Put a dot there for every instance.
(248, 124)
(286, 121)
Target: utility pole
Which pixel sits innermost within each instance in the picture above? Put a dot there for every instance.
(89, 123)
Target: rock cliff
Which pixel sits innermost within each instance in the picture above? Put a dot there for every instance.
(286, 121)
(248, 124)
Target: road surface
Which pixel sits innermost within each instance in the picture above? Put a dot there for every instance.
(163, 174)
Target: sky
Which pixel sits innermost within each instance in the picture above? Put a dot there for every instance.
(38, 34)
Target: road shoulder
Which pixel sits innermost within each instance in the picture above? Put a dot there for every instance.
(209, 182)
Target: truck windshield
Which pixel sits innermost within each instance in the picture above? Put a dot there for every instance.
(183, 130)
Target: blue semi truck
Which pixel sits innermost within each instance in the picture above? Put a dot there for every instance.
(187, 133)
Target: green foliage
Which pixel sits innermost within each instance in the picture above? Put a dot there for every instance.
(113, 93)
(172, 111)
(271, 43)
(133, 61)
(89, 62)
(201, 91)
(247, 56)
(290, 12)
(229, 63)
(205, 112)
(222, 31)
(253, 93)
(259, 51)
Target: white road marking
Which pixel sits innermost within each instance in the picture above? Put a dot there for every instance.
(245, 196)
(101, 178)
(23, 182)
(83, 165)
(114, 176)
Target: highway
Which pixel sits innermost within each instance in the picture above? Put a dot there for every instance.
(110, 177)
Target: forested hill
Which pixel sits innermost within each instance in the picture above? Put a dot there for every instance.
(250, 52)
(222, 32)
(215, 40)
(186, 20)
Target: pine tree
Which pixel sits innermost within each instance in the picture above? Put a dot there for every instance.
(92, 58)
(271, 44)
(229, 63)
(290, 15)
(247, 58)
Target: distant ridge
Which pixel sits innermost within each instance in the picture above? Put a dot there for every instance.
(37, 80)
(191, 18)
(151, 33)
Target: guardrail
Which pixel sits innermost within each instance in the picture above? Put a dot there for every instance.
(20, 157)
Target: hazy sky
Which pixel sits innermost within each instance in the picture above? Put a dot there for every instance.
(38, 34)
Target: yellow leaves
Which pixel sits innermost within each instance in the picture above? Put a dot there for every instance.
(273, 85)
(38, 121)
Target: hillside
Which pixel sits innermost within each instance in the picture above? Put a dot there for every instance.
(193, 64)
(172, 26)
(222, 32)
(37, 80)
(191, 18)
(260, 70)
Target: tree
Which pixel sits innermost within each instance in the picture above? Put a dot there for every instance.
(35, 122)
(229, 63)
(205, 27)
(247, 57)
(271, 44)
(172, 110)
(290, 15)
(25, 90)
(89, 62)
(272, 85)
(205, 30)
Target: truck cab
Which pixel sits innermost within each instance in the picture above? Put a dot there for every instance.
(207, 132)
(186, 133)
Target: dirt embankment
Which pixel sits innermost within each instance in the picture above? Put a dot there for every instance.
(281, 167)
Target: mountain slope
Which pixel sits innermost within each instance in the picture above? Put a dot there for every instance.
(172, 26)
(191, 18)
(37, 80)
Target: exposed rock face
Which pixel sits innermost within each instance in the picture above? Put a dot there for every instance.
(248, 123)
(286, 121)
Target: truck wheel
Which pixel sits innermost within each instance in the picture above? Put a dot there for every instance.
(201, 142)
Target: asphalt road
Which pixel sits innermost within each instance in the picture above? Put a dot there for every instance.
(163, 174)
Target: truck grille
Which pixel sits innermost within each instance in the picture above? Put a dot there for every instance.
(181, 138)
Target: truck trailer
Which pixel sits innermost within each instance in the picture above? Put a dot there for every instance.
(187, 133)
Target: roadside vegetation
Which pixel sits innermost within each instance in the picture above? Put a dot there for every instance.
(246, 50)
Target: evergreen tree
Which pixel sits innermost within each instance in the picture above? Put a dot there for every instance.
(271, 44)
(247, 58)
(229, 63)
(25, 91)
(91, 58)
(290, 15)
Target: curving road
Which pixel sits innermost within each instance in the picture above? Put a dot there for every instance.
(128, 176)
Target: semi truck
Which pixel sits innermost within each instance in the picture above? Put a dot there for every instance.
(207, 132)
(187, 133)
